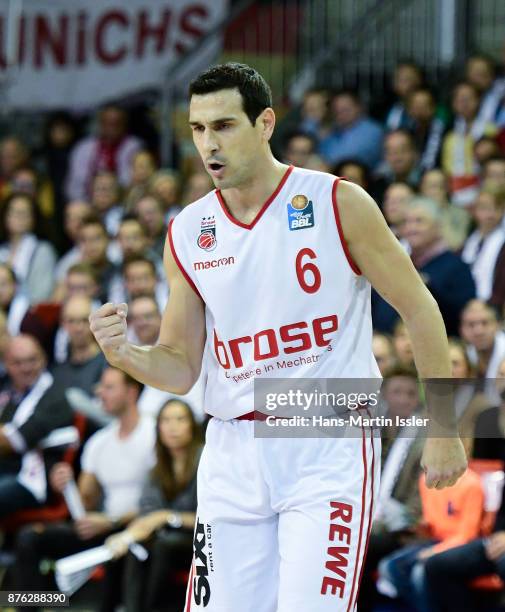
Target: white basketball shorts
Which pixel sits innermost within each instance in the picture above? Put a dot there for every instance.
(282, 523)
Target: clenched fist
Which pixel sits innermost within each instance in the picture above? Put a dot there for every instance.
(444, 461)
(108, 325)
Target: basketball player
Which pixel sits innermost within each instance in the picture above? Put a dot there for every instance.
(277, 263)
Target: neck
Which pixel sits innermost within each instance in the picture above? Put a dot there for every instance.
(15, 239)
(247, 200)
(485, 231)
(81, 354)
(179, 454)
(419, 251)
(128, 421)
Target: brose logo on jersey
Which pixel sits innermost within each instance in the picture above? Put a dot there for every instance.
(300, 213)
(207, 238)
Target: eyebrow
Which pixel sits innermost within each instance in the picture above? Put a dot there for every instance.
(215, 121)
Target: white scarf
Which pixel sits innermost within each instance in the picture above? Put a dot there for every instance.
(429, 157)
(491, 102)
(23, 256)
(394, 119)
(496, 357)
(18, 308)
(461, 131)
(32, 474)
(483, 261)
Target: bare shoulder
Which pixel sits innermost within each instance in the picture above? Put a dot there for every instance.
(360, 215)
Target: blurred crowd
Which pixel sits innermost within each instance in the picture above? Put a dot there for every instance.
(83, 220)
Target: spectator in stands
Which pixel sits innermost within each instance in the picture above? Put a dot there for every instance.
(93, 244)
(427, 128)
(452, 517)
(401, 161)
(448, 574)
(398, 505)
(455, 220)
(447, 277)
(115, 465)
(31, 408)
(484, 338)
(397, 199)
(145, 318)
(12, 301)
(143, 167)
(353, 171)
(105, 200)
(151, 215)
(13, 155)
(494, 170)
(489, 432)
(60, 133)
(111, 150)
(408, 77)
(298, 149)
(132, 239)
(140, 277)
(482, 248)
(27, 180)
(481, 73)
(4, 340)
(81, 279)
(166, 185)
(75, 213)
(167, 511)
(315, 113)
(31, 258)
(403, 345)
(85, 362)
(383, 352)
(197, 185)
(469, 399)
(354, 134)
(458, 158)
(485, 148)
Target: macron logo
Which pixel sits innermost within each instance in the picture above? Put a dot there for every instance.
(214, 263)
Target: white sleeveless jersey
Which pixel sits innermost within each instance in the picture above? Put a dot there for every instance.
(283, 297)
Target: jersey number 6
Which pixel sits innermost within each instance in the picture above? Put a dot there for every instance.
(314, 275)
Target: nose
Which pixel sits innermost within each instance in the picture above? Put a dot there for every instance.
(210, 143)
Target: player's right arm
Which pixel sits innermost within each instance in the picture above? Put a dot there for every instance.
(174, 363)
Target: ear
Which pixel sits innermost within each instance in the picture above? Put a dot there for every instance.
(267, 123)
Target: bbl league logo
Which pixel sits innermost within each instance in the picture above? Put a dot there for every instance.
(207, 238)
(300, 213)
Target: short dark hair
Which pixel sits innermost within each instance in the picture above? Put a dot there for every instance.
(495, 158)
(255, 91)
(131, 217)
(300, 134)
(133, 259)
(84, 268)
(402, 132)
(93, 219)
(338, 170)
(129, 380)
(348, 93)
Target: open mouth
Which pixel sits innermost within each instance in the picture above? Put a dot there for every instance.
(216, 168)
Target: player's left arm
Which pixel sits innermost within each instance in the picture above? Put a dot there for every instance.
(384, 262)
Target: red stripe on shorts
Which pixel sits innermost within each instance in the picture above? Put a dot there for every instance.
(370, 514)
(363, 500)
